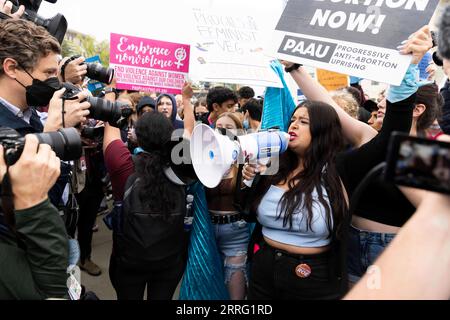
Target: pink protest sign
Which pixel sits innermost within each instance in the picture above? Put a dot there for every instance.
(149, 65)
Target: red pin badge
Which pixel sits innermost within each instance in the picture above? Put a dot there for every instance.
(303, 271)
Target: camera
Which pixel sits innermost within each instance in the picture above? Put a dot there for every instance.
(115, 113)
(66, 143)
(92, 133)
(96, 71)
(419, 163)
(56, 26)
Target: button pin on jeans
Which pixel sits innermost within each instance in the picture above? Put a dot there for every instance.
(303, 271)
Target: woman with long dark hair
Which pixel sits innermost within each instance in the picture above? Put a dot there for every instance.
(303, 209)
(149, 244)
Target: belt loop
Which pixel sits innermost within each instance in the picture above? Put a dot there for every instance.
(384, 238)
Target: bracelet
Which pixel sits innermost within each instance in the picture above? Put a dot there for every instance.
(63, 67)
(295, 66)
(110, 90)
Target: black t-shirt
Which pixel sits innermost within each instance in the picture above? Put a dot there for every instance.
(380, 202)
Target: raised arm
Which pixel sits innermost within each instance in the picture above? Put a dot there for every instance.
(111, 133)
(354, 165)
(355, 131)
(189, 118)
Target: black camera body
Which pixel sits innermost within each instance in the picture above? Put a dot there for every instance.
(91, 133)
(95, 71)
(418, 163)
(66, 143)
(56, 26)
(115, 113)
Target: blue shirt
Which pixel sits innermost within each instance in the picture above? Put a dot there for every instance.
(300, 236)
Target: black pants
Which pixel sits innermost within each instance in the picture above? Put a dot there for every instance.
(161, 278)
(273, 276)
(89, 201)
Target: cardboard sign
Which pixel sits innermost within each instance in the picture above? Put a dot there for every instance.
(332, 80)
(354, 37)
(229, 48)
(149, 65)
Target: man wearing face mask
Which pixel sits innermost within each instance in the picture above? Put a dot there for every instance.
(28, 79)
(253, 114)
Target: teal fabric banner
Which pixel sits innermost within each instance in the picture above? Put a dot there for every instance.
(278, 103)
(203, 278)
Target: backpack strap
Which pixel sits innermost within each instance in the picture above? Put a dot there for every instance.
(171, 175)
(130, 184)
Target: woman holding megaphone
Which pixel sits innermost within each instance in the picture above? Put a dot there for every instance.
(303, 209)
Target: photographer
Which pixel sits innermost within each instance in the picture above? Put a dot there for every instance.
(6, 8)
(34, 255)
(28, 78)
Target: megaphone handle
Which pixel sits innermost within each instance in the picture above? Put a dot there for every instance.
(249, 183)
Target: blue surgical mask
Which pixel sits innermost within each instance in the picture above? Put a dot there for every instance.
(246, 124)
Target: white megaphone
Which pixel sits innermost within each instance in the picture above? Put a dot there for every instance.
(213, 154)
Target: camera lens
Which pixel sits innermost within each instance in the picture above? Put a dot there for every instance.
(66, 143)
(111, 112)
(93, 133)
(96, 71)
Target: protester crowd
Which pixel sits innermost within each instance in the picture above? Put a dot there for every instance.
(316, 229)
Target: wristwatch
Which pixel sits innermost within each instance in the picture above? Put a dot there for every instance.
(295, 66)
(110, 90)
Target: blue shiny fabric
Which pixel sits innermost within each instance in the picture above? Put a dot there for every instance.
(278, 103)
(204, 276)
(409, 85)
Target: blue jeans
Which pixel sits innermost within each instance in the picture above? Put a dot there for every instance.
(232, 241)
(364, 248)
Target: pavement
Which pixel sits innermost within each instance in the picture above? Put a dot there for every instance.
(101, 252)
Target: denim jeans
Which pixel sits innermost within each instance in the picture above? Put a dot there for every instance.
(232, 241)
(364, 248)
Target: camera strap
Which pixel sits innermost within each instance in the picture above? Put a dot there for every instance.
(63, 113)
(7, 198)
(63, 67)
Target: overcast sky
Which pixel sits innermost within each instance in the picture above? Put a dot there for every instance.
(163, 19)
